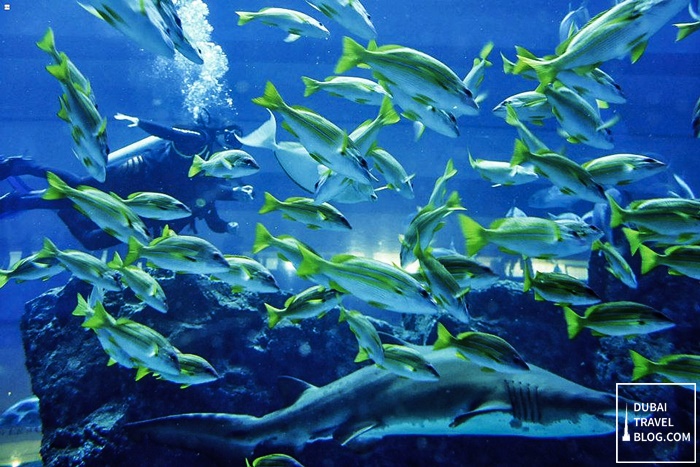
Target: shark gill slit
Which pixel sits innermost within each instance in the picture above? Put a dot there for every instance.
(524, 400)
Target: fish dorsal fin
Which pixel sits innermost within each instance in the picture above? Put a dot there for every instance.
(292, 388)
(482, 409)
(349, 431)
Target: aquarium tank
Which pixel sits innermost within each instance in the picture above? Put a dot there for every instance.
(349, 232)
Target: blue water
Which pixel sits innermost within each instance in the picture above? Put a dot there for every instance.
(661, 89)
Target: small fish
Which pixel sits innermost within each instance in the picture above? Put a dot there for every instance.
(116, 354)
(359, 90)
(144, 286)
(31, 268)
(503, 173)
(304, 210)
(427, 80)
(229, 164)
(573, 21)
(443, 285)
(79, 110)
(621, 30)
(580, 121)
(274, 460)
(622, 169)
(174, 28)
(247, 274)
(407, 362)
(558, 288)
(670, 216)
(617, 319)
(332, 186)
(529, 236)
(677, 368)
(313, 302)
(379, 284)
(370, 345)
(82, 265)
(295, 23)
(325, 142)
(425, 116)
(145, 347)
(393, 172)
(193, 370)
(595, 85)
(615, 264)
(469, 274)
(157, 206)
(680, 260)
(139, 20)
(179, 253)
(352, 15)
(565, 174)
(108, 212)
(481, 348)
(475, 77)
(424, 224)
(288, 246)
(48, 45)
(439, 195)
(636, 238)
(529, 106)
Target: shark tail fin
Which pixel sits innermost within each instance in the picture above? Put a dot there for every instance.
(222, 436)
(263, 136)
(642, 366)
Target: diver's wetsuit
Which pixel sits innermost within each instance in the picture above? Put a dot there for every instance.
(163, 168)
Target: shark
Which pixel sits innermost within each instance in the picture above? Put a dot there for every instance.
(372, 403)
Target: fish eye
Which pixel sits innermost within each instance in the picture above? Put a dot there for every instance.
(424, 293)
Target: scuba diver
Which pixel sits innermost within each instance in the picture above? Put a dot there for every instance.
(157, 163)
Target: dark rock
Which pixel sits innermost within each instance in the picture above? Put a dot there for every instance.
(85, 403)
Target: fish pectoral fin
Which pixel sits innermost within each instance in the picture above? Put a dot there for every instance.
(483, 409)
(348, 432)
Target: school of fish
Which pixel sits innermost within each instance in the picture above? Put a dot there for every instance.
(332, 165)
